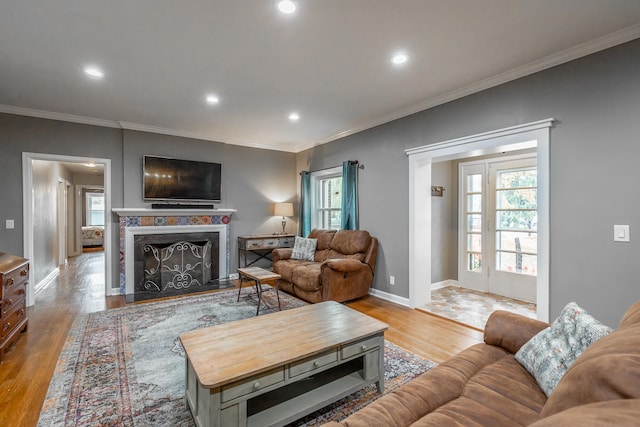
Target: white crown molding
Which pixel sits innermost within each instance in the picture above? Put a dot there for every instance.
(192, 135)
(63, 117)
(584, 49)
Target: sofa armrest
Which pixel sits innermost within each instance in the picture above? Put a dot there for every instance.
(343, 265)
(279, 254)
(510, 331)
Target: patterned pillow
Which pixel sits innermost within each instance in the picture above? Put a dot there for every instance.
(548, 355)
(304, 248)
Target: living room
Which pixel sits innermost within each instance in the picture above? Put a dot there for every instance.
(594, 99)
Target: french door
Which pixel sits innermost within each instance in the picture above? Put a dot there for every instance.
(498, 227)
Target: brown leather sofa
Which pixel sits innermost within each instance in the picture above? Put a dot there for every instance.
(485, 385)
(342, 269)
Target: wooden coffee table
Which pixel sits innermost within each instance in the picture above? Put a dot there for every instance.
(274, 369)
(259, 276)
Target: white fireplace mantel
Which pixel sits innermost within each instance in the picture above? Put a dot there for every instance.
(171, 212)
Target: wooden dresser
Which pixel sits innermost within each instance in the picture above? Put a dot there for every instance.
(14, 276)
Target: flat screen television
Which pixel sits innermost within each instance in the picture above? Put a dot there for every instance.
(167, 179)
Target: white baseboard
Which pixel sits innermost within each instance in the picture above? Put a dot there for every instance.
(390, 297)
(444, 284)
(46, 281)
(234, 276)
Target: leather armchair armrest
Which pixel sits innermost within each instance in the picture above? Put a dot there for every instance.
(343, 265)
(281, 254)
(510, 331)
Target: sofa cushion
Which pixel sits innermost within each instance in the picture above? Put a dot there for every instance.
(324, 238)
(349, 242)
(607, 370)
(549, 353)
(307, 277)
(285, 268)
(304, 248)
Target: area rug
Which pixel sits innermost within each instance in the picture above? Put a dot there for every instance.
(125, 367)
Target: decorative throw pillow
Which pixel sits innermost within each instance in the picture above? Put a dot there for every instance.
(548, 355)
(304, 248)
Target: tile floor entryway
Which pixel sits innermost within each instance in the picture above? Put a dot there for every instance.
(472, 307)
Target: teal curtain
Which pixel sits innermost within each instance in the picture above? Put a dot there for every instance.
(305, 203)
(350, 195)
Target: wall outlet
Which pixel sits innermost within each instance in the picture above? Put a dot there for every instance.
(10, 224)
(392, 280)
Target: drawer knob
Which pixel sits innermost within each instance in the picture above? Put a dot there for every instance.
(363, 348)
(9, 302)
(10, 281)
(256, 385)
(21, 313)
(24, 273)
(21, 291)
(316, 364)
(6, 326)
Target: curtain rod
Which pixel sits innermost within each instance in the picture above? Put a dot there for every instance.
(333, 167)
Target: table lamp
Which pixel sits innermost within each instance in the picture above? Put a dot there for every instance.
(283, 209)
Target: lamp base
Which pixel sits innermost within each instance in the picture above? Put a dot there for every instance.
(284, 224)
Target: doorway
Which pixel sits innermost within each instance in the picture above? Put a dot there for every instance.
(535, 135)
(29, 218)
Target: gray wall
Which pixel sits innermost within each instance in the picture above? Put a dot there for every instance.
(594, 173)
(253, 179)
(45, 217)
(443, 224)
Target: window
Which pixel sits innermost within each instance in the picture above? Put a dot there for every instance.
(95, 208)
(326, 187)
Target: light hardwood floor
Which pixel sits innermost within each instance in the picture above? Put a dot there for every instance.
(27, 366)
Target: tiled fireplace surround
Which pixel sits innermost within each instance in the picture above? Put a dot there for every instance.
(140, 222)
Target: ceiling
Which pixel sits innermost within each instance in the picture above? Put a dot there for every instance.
(329, 61)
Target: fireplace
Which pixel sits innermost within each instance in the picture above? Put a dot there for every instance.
(185, 248)
(166, 263)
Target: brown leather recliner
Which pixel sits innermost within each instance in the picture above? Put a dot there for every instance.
(342, 269)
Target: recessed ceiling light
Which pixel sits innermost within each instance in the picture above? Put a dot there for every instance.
(94, 72)
(294, 117)
(212, 99)
(399, 58)
(286, 6)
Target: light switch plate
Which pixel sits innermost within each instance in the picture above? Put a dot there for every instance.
(621, 233)
(10, 224)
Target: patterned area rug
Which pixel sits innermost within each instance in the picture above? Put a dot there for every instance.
(124, 367)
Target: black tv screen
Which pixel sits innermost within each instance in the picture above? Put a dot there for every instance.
(173, 179)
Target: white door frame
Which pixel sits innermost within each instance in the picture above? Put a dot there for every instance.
(529, 135)
(27, 210)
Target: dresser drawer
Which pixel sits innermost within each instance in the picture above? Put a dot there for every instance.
(15, 278)
(252, 385)
(14, 317)
(359, 347)
(12, 299)
(312, 363)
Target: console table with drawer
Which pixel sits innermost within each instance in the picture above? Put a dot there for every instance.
(252, 249)
(14, 276)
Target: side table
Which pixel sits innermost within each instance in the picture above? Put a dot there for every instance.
(259, 276)
(260, 247)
